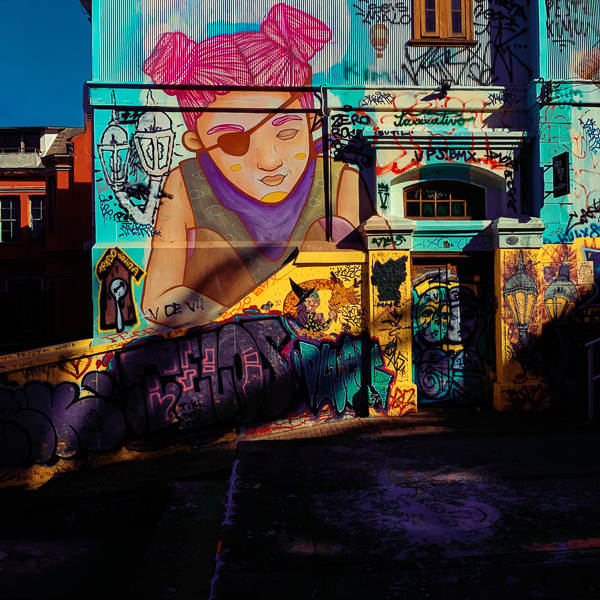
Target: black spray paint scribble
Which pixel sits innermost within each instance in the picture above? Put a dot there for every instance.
(390, 13)
(504, 97)
(388, 277)
(378, 98)
(349, 272)
(501, 56)
(383, 195)
(528, 397)
(570, 21)
(349, 143)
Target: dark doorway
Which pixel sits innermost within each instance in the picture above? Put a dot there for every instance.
(453, 328)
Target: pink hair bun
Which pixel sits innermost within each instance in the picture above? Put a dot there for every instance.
(277, 55)
(295, 31)
(178, 60)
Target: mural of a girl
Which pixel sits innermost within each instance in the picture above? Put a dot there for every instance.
(232, 216)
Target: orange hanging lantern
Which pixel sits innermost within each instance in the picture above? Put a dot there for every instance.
(589, 65)
(378, 36)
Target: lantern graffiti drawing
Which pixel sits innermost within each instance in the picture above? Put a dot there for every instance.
(561, 296)
(520, 294)
(153, 141)
(150, 149)
(113, 152)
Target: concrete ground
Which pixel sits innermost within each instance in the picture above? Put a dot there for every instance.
(444, 504)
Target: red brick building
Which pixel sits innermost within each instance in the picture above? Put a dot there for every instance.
(45, 222)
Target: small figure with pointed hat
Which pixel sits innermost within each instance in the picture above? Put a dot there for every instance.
(308, 302)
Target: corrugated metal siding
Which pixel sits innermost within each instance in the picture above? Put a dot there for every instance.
(502, 55)
(129, 30)
(120, 51)
(573, 28)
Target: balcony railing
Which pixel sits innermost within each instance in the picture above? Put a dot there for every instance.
(19, 150)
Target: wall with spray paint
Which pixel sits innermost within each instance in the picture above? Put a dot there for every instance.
(533, 150)
(566, 113)
(216, 197)
(298, 350)
(296, 222)
(390, 323)
(190, 171)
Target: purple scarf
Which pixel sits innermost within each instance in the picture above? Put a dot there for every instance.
(264, 222)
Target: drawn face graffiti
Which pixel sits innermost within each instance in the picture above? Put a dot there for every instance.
(433, 314)
(278, 150)
(463, 314)
(449, 323)
(446, 313)
(312, 302)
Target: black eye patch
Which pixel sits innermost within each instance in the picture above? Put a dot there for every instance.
(237, 143)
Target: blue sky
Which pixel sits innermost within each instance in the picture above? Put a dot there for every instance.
(46, 59)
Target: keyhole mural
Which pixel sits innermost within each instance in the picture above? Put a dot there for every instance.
(118, 288)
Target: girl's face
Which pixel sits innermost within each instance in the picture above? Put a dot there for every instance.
(312, 302)
(278, 151)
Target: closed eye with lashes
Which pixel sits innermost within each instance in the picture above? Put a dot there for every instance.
(237, 143)
(288, 134)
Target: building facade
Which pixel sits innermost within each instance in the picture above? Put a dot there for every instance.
(45, 217)
(307, 211)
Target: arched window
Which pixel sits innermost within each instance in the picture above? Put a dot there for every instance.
(444, 200)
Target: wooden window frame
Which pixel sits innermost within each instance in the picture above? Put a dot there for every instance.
(37, 214)
(10, 218)
(442, 36)
(473, 202)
